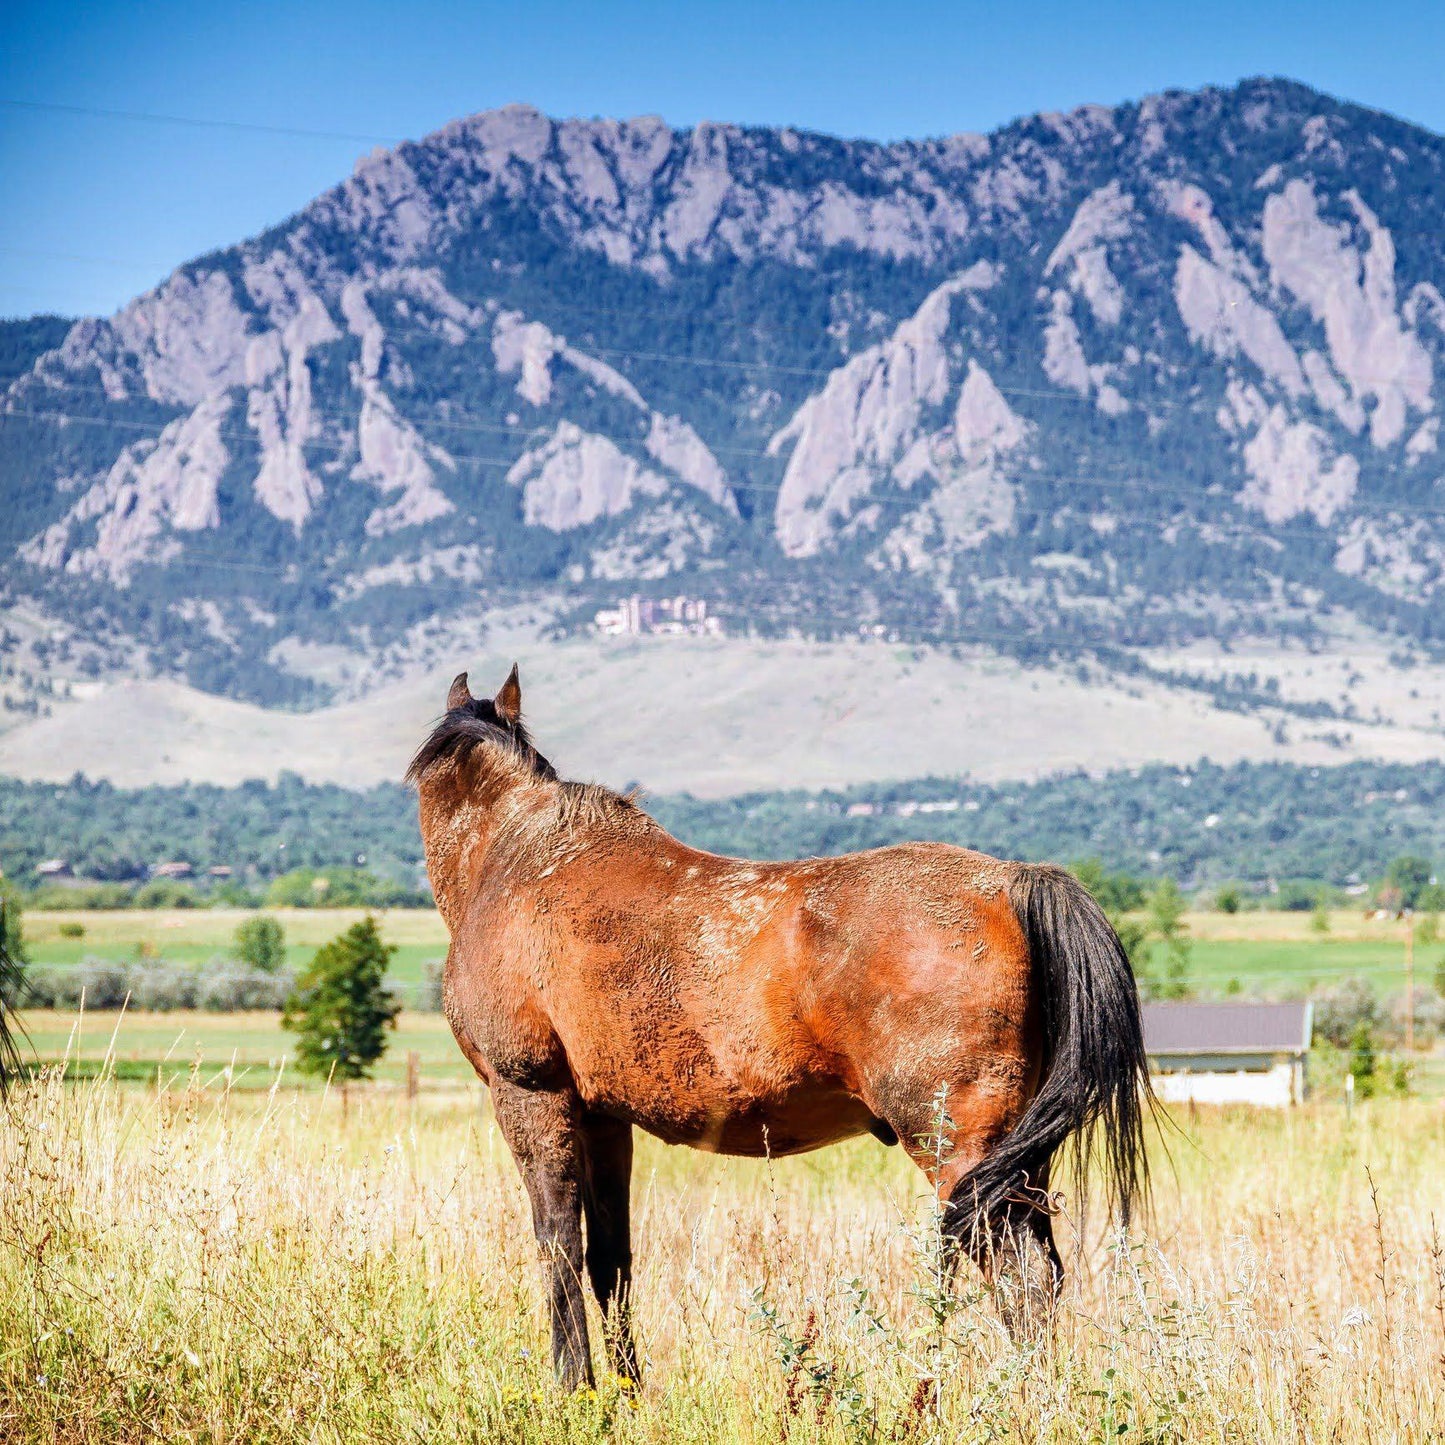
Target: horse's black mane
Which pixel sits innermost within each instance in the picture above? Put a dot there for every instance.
(463, 728)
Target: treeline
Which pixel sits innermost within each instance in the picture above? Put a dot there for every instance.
(261, 832)
(1271, 830)
(1268, 827)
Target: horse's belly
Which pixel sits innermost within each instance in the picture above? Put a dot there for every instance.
(719, 1121)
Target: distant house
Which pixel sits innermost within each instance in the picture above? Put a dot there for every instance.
(53, 868)
(1228, 1053)
(172, 870)
(641, 616)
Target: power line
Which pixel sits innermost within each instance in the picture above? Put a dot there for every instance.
(1182, 493)
(762, 366)
(36, 255)
(675, 358)
(199, 122)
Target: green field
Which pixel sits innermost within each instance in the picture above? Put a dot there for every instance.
(254, 1046)
(192, 935)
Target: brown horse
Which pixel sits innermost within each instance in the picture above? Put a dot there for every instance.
(603, 975)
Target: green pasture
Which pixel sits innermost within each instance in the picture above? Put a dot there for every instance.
(254, 1046)
(191, 935)
(1279, 968)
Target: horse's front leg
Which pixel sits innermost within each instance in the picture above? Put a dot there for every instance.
(606, 1201)
(543, 1129)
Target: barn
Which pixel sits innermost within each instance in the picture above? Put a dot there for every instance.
(1228, 1053)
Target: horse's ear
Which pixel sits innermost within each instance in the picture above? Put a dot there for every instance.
(508, 701)
(459, 695)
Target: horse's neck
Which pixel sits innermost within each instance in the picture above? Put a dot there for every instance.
(461, 813)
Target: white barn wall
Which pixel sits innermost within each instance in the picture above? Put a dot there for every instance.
(1274, 1088)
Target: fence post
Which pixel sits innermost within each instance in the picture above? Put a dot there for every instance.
(1409, 983)
(1349, 1094)
(413, 1075)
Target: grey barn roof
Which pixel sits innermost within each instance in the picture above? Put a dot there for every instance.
(1227, 1028)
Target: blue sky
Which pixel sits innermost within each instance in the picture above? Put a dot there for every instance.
(94, 209)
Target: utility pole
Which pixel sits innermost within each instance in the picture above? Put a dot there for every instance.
(1409, 984)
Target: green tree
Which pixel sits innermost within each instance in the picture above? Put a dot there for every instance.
(1228, 899)
(1320, 915)
(1362, 1059)
(261, 943)
(341, 1008)
(1114, 892)
(1411, 876)
(1167, 928)
(1114, 896)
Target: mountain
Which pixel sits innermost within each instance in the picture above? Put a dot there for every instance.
(1116, 379)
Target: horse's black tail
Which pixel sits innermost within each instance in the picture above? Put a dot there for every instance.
(1095, 1081)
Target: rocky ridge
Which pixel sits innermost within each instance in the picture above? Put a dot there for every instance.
(1161, 369)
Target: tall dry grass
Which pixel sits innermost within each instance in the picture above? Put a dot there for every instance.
(192, 1265)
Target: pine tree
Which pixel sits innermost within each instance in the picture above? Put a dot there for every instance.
(341, 1008)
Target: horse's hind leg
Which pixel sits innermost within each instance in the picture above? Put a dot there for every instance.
(1017, 1255)
(1015, 1252)
(543, 1129)
(606, 1202)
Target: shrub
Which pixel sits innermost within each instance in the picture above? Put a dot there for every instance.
(1114, 892)
(1362, 1060)
(165, 893)
(1429, 1018)
(102, 982)
(1294, 896)
(1166, 923)
(261, 944)
(1344, 1008)
(339, 888)
(71, 929)
(41, 984)
(54, 897)
(1228, 900)
(220, 986)
(161, 987)
(429, 990)
(223, 986)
